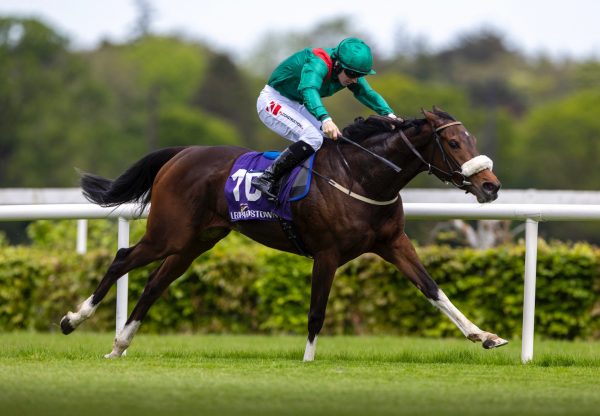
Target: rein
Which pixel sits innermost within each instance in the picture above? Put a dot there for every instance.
(382, 159)
(349, 191)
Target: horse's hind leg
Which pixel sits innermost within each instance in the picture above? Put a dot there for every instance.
(125, 260)
(324, 267)
(402, 254)
(170, 269)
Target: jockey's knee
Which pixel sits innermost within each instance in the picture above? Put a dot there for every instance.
(314, 140)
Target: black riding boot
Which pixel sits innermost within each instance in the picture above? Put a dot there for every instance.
(287, 160)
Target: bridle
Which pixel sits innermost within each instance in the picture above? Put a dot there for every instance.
(456, 174)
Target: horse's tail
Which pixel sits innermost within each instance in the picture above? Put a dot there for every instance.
(134, 185)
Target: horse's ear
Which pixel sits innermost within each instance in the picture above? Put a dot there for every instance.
(428, 114)
(436, 109)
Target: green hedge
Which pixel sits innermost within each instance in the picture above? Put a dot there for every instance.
(240, 287)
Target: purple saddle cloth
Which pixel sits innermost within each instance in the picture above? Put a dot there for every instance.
(248, 203)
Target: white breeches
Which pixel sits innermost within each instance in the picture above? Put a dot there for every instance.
(288, 118)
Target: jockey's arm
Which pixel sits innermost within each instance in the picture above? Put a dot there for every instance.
(311, 80)
(313, 103)
(370, 98)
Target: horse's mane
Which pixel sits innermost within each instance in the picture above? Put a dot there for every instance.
(363, 128)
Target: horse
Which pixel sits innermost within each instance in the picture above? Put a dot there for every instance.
(362, 212)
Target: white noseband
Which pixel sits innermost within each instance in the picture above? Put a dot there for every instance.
(475, 165)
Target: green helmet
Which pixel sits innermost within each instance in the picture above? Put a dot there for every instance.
(355, 55)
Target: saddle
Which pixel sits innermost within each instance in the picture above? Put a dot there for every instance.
(248, 204)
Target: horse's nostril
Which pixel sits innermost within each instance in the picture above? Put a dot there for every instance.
(491, 188)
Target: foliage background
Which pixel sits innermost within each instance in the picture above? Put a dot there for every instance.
(102, 109)
(242, 287)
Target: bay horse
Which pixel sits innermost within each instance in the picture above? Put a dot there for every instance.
(189, 212)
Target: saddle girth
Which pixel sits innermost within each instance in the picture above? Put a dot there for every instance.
(290, 231)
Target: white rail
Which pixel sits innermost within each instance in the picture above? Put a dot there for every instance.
(83, 212)
(530, 213)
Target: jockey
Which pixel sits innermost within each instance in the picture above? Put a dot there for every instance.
(290, 104)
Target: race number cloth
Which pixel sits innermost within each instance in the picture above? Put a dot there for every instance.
(248, 203)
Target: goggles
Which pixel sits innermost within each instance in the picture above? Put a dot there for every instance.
(353, 74)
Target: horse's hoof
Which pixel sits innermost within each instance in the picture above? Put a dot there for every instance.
(65, 326)
(494, 343)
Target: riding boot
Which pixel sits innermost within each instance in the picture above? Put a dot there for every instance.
(285, 162)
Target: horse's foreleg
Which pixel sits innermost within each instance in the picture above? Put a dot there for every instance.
(470, 330)
(125, 260)
(72, 320)
(402, 254)
(324, 267)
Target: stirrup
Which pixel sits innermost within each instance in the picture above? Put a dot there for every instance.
(266, 187)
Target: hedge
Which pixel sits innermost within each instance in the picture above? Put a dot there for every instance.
(241, 287)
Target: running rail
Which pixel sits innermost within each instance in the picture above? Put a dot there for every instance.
(532, 214)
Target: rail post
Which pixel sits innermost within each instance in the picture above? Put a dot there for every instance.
(122, 283)
(82, 226)
(531, 240)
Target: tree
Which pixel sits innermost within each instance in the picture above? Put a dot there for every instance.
(558, 145)
(38, 76)
(144, 19)
(224, 93)
(151, 83)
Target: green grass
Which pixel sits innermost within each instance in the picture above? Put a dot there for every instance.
(50, 374)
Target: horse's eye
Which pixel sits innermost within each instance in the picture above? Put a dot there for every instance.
(454, 144)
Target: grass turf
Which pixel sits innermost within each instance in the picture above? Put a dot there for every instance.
(52, 374)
